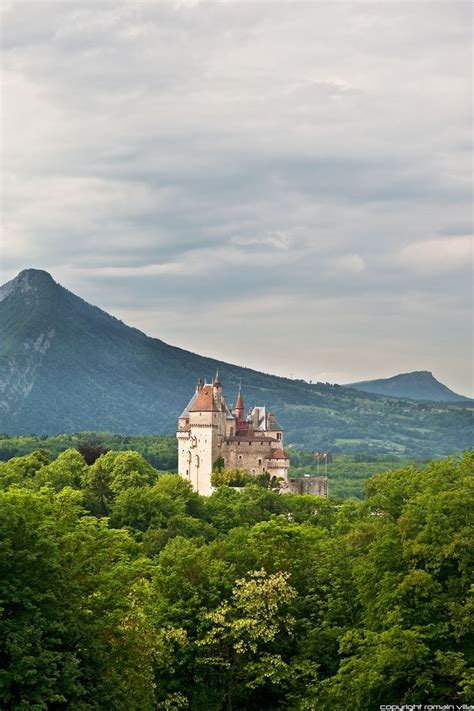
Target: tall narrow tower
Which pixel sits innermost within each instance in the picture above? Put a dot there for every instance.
(239, 404)
(201, 429)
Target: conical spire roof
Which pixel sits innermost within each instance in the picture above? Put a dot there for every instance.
(239, 404)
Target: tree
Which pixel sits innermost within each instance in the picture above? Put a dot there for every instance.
(239, 633)
(111, 474)
(230, 476)
(66, 583)
(143, 507)
(67, 470)
(22, 470)
(91, 452)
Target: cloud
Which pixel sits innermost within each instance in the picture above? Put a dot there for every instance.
(441, 254)
(351, 264)
(160, 157)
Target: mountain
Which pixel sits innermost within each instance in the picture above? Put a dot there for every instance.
(68, 366)
(419, 385)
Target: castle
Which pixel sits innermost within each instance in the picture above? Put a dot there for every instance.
(209, 430)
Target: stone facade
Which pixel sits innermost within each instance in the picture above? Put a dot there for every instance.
(208, 429)
(316, 485)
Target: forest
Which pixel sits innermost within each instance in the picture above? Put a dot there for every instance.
(123, 589)
(347, 472)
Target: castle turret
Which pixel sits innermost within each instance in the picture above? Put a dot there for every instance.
(239, 405)
(217, 390)
(201, 428)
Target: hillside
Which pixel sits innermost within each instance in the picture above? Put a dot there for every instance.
(67, 366)
(419, 385)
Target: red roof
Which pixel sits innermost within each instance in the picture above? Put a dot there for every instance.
(251, 437)
(278, 454)
(205, 401)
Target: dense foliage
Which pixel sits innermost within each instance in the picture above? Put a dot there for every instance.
(347, 472)
(160, 450)
(123, 589)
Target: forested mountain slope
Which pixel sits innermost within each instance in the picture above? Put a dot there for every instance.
(67, 366)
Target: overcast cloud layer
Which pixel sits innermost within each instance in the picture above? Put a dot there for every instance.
(281, 185)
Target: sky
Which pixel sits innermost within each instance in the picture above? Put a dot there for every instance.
(286, 186)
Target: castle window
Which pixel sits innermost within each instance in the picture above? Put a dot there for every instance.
(250, 444)
(259, 461)
(253, 471)
(278, 435)
(240, 456)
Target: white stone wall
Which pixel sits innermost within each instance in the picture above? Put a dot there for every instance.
(199, 448)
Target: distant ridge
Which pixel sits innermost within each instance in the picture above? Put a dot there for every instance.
(68, 366)
(418, 385)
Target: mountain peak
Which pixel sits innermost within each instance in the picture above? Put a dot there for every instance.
(33, 273)
(32, 277)
(28, 280)
(416, 385)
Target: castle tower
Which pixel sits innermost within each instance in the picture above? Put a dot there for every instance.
(239, 405)
(201, 428)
